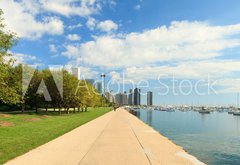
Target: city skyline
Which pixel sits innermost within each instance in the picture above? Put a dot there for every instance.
(132, 98)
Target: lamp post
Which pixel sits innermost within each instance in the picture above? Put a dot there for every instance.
(103, 76)
(103, 83)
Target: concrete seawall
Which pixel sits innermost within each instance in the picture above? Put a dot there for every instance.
(116, 138)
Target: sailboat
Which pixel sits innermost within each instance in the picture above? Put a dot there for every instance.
(231, 110)
(237, 112)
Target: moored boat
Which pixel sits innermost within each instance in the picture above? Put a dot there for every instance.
(204, 110)
(236, 113)
(170, 110)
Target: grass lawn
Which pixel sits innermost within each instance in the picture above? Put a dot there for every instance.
(27, 131)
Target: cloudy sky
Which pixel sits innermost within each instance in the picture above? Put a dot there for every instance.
(180, 47)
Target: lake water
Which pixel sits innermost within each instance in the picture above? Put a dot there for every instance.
(212, 138)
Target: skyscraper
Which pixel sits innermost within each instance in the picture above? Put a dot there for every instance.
(130, 97)
(109, 97)
(125, 99)
(98, 86)
(137, 97)
(149, 98)
(121, 99)
(76, 72)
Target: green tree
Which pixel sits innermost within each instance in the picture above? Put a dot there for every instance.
(51, 83)
(8, 94)
(70, 84)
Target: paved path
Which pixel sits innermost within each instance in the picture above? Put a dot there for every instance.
(116, 138)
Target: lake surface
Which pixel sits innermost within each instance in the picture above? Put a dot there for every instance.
(212, 138)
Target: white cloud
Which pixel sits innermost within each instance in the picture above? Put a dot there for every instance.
(116, 76)
(73, 37)
(196, 70)
(229, 85)
(71, 52)
(137, 7)
(53, 48)
(91, 23)
(72, 7)
(20, 58)
(72, 27)
(24, 21)
(181, 41)
(112, 3)
(107, 26)
(87, 73)
(222, 75)
(24, 58)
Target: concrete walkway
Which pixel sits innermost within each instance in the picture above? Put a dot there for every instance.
(116, 138)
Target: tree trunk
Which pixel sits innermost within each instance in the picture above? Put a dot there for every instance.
(74, 110)
(78, 109)
(67, 110)
(36, 109)
(60, 110)
(36, 104)
(86, 109)
(46, 106)
(23, 107)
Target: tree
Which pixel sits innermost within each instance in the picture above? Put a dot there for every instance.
(32, 98)
(70, 84)
(8, 94)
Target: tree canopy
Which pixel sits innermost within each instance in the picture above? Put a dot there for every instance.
(8, 94)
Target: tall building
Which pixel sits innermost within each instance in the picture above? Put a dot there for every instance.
(130, 97)
(76, 72)
(109, 97)
(125, 99)
(118, 99)
(98, 86)
(137, 97)
(121, 99)
(149, 98)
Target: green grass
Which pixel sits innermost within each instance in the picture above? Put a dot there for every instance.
(26, 135)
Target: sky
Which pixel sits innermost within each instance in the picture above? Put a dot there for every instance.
(186, 52)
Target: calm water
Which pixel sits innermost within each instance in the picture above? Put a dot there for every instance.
(212, 138)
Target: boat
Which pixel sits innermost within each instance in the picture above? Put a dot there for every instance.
(162, 109)
(204, 111)
(237, 113)
(136, 108)
(170, 110)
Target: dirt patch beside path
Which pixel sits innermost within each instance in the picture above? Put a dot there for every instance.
(4, 116)
(33, 119)
(6, 124)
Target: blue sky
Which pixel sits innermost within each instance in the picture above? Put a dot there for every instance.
(144, 39)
